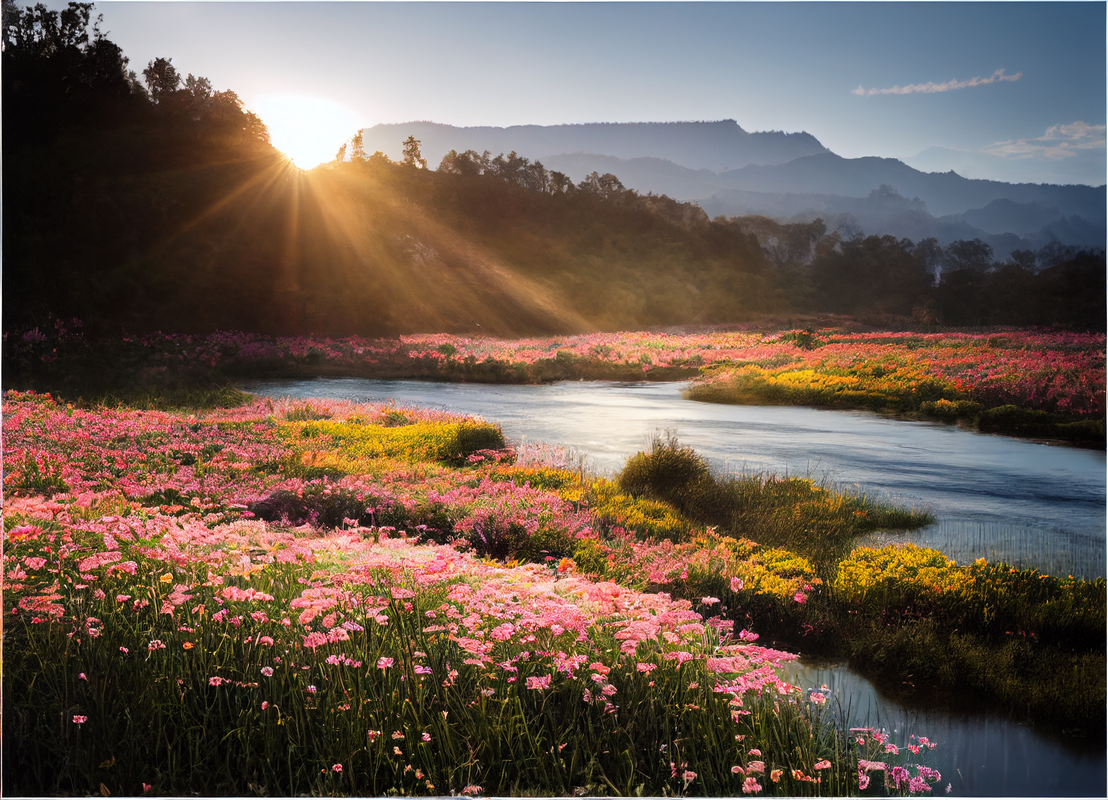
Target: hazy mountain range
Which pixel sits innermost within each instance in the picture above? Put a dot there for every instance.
(788, 176)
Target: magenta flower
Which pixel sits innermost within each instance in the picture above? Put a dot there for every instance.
(426, 737)
(336, 768)
(80, 719)
(215, 680)
(538, 683)
(384, 663)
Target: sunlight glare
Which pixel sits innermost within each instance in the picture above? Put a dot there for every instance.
(307, 129)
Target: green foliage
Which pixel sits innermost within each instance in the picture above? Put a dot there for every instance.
(792, 513)
(1016, 421)
(1024, 639)
(652, 518)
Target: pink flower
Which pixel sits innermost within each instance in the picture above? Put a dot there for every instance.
(709, 601)
(82, 676)
(688, 776)
(737, 770)
(819, 698)
(215, 680)
(384, 663)
(538, 682)
(146, 787)
(80, 719)
(825, 764)
(336, 768)
(736, 585)
(267, 671)
(641, 667)
(751, 786)
(426, 737)
(800, 597)
(265, 705)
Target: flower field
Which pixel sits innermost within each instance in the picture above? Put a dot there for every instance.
(331, 598)
(947, 375)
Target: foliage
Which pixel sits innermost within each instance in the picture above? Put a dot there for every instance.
(788, 512)
(162, 639)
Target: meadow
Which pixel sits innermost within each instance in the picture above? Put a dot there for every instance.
(1022, 382)
(324, 597)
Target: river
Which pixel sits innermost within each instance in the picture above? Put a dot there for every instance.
(1026, 503)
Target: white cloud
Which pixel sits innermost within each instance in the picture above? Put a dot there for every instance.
(1059, 141)
(933, 88)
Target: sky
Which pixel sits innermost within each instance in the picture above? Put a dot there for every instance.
(1011, 91)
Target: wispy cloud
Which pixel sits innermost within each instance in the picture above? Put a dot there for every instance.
(933, 88)
(1059, 141)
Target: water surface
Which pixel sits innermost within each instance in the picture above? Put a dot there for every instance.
(992, 496)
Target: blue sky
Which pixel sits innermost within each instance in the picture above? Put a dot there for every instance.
(770, 66)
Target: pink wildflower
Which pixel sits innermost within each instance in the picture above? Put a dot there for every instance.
(384, 663)
(825, 764)
(751, 786)
(80, 719)
(336, 768)
(538, 682)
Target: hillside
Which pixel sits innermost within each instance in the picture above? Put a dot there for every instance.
(791, 177)
(717, 146)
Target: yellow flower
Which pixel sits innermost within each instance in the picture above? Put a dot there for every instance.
(167, 578)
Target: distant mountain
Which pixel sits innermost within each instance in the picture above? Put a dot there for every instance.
(1072, 169)
(851, 196)
(716, 146)
(944, 193)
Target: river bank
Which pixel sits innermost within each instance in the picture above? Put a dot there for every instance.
(1028, 383)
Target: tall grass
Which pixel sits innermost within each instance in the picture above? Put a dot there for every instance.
(792, 513)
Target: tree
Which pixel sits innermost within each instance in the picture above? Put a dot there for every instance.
(412, 156)
(162, 79)
(975, 255)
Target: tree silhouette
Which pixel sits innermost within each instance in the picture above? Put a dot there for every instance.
(412, 156)
(162, 79)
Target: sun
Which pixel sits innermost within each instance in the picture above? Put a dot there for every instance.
(309, 130)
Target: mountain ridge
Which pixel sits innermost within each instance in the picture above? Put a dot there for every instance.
(716, 145)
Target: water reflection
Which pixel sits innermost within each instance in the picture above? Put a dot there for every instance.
(979, 753)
